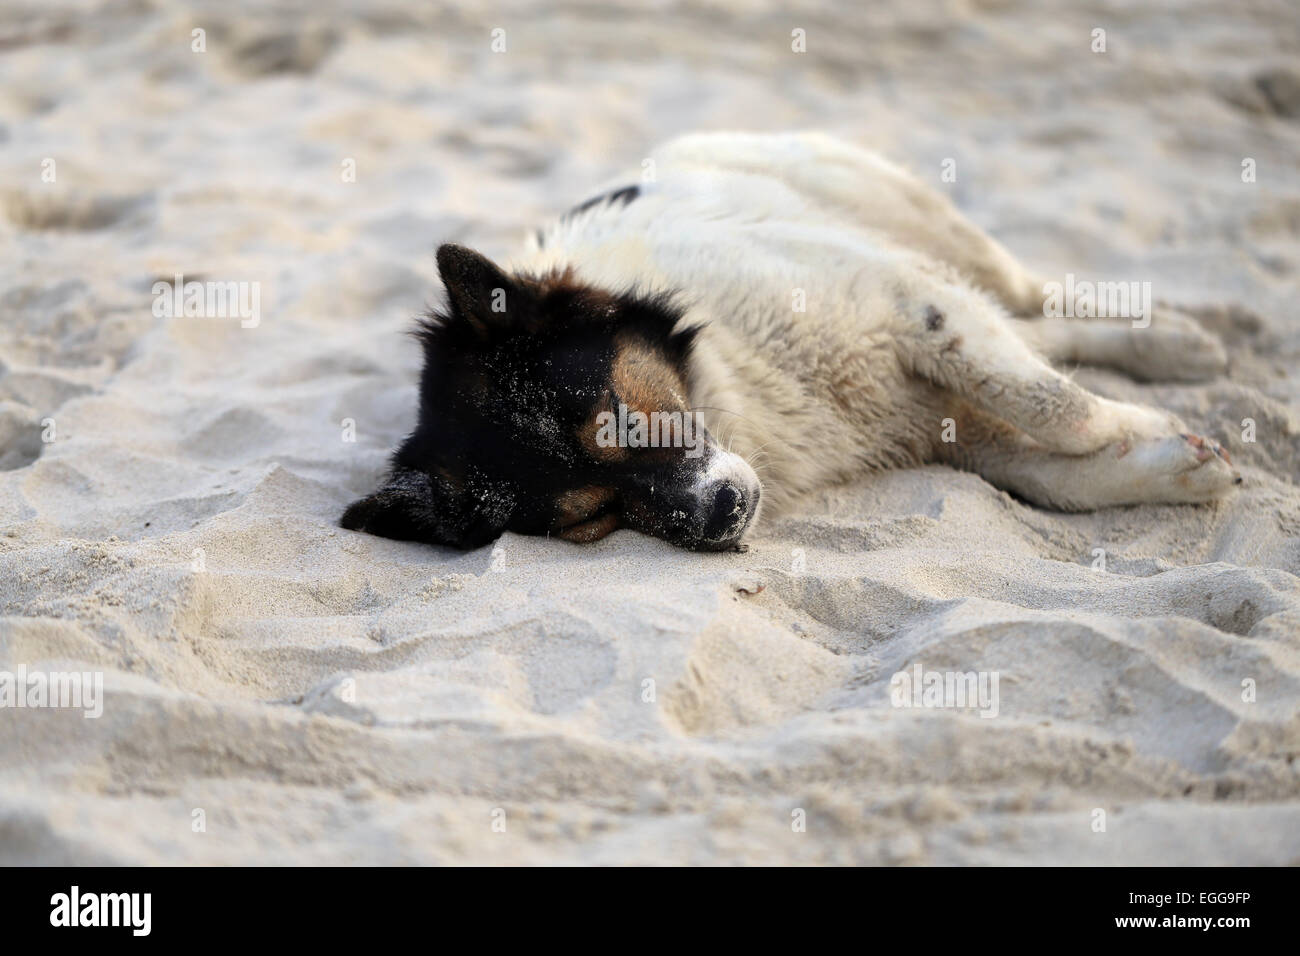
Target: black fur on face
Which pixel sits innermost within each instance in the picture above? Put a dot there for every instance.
(517, 369)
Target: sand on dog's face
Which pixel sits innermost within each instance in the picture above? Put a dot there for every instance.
(278, 690)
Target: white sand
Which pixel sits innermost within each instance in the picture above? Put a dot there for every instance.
(324, 696)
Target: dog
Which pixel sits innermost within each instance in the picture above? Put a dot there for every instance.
(773, 314)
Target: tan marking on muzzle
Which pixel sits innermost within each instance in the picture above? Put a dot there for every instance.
(574, 508)
(590, 531)
(579, 503)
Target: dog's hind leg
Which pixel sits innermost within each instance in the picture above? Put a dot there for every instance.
(1178, 469)
(956, 339)
(1173, 350)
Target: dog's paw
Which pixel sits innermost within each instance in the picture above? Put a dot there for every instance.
(1175, 350)
(1174, 347)
(1183, 468)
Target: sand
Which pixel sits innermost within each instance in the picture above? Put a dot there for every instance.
(277, 690)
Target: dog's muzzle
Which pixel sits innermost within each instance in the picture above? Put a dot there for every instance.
(727, 497)
(706, 504)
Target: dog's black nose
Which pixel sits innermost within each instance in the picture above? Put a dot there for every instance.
(728, 514)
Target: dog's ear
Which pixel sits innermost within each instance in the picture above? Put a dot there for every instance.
(414, 506)
(478, 293)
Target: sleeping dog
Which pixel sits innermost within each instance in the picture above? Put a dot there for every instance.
(749, 319)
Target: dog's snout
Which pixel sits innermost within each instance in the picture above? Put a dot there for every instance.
(729, 510)
(728, 513)
(711, 510)
(727, 501)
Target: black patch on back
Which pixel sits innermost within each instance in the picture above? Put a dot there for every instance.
(620, 197)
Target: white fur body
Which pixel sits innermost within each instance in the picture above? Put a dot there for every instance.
(852, 314)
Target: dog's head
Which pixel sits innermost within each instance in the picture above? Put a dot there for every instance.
(552, 407)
